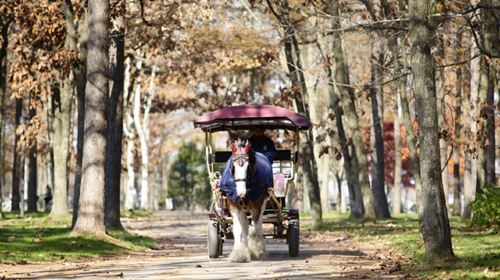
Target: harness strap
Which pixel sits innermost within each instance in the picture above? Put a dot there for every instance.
(241, 180)
(270, 191)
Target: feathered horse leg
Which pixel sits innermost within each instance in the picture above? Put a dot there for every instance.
(240, 251)
(256, 244)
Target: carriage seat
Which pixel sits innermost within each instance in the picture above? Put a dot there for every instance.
(281, 155)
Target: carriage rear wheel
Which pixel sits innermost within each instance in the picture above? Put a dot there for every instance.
(214, 239)
(293, 238)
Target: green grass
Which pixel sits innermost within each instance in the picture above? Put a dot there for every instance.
(477, 252)
(38, 237)
(141, 213)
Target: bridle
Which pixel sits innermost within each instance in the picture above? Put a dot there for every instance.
(240, 155)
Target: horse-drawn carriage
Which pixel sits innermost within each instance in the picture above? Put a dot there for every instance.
(232, 211)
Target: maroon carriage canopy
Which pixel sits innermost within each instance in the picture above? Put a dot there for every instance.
(247, 116)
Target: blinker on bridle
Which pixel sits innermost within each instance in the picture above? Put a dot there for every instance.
(241, 157)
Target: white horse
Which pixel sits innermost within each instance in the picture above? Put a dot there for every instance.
(248, 242)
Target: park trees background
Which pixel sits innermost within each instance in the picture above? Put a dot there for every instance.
(368, 73)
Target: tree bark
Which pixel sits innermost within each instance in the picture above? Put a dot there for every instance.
(408, 125)
(32, 177)
(294, 65)
(398, 120)
(457, 199)
(470, 165)
(398, 167)
(309, 55)
(3, 89)
(490, 42)
(142, 128)
(356, 200)
(378, 182)
(434, 222)
(442, 92)
(91, 205)
(115, 124)
(309, 160)
(130, 133)
(347, 100)
(376, 10)
(81, 79)
(59, 141)
(357, 205)
(61, 122)
(16, 168)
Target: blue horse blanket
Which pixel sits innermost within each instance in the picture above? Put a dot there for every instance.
(260, 180)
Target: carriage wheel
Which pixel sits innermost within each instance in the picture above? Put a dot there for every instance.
(293, 238)
(214, 240)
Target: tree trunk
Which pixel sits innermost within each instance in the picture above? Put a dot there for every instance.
(164, 164)
(32, 177)
(61, 102)
(457, 200)
(434, 218)
(81, 79)
(408, 125)
(378, 11)
(61, 122)
(16, 166)
(292, 54)
(378, 182)
(130, 133)
(486, 160)
(398, 167)
(24, 182)
(442, 91)
(309, 55)
(136, 111)
(3, 89)
(356, 201)
(357, 205)
(398, 120)
(470, 162)
(325, 178)
(443, 152)
(142, 128)
(441, 107)
(311, 165)
(146, 130)
(346, 96)
(491, 43)
(115, 124)
(91, 205)
(340, 205)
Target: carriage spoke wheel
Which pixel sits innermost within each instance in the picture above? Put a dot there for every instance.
(214, 240)
(293, 238)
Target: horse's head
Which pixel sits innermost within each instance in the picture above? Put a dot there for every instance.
(241, 161)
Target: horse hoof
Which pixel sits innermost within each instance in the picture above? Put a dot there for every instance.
(240, 254)
(256, 246)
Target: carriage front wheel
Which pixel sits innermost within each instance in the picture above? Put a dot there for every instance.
(214, 240)
(293, 238)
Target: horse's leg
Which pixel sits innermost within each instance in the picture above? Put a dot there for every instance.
(240, 251)
(256, 243)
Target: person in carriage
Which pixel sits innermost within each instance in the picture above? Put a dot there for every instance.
(262, 144)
